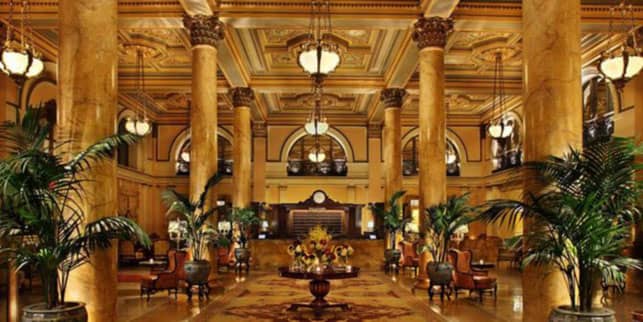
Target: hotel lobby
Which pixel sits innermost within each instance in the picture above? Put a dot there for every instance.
(321, 160)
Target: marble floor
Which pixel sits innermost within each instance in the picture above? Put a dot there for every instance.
(374, 296)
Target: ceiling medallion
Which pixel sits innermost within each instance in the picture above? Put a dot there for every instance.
(484, 56)
(19, 59)
(319, 53)
(626, 61)
(498, 127)
(135, 125)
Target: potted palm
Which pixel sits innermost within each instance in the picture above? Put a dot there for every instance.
(442, 222)
(581, 221)
(391, 215)
(244, 218)
(200, 234)
(40, 201)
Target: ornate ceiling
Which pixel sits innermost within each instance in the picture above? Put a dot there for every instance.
(260, 51)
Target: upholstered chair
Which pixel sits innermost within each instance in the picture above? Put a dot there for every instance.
(167, 279)
(410, 257)
(465, 278)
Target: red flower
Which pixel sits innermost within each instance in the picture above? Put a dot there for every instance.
(52, 185)
(323, 241)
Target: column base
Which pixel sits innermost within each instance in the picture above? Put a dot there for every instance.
(421, 284)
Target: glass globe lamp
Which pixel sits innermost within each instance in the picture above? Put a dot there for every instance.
(319, 59)
(316, 155)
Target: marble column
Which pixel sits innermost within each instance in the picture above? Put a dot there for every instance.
(242, 98)
(392, 98)
(375, 191)
(552, 117)
(87, 107)
(260, 134)
(430, 34)
(205, 32)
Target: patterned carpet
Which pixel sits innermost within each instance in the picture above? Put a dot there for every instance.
(266, 298)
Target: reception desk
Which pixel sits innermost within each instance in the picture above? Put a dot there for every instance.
(270, 254)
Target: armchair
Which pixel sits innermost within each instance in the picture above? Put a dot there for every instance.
(410, 257)
(465, 278)
(167, 279)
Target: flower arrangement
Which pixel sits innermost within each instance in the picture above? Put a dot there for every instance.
(316, 250)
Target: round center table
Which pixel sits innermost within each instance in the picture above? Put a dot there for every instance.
(319, 286)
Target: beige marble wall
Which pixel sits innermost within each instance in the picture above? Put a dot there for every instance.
(87, 112)
(552, 117)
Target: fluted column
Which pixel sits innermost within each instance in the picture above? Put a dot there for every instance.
(392, 98)
(430, 34)
(552, 116)
(205, 32)
(87, 107)
(242, 98)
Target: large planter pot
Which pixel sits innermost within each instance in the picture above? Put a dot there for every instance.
(242, 254)
(565, 314)
(197, 272)
(70, 312)
(392, 256)
(439, 273)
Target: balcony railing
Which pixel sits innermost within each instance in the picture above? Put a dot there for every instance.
(307, 168)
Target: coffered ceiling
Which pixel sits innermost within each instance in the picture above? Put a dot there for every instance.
(260, 51)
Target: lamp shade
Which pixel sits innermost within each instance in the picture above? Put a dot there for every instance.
(450, 158)
(316, 155)
(621, 67)
(15, 62)
(500, 130)
(319, 127)
(185, 156)
(138, 127)
(318, 60)
(36, 68)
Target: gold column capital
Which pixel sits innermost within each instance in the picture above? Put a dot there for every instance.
(393, 97)
(204, 29)
(432, 31)
(241, 96)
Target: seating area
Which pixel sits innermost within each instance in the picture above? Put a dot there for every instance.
(321, 160)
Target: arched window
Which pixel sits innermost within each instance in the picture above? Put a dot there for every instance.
(599, 100)
(507, 153)
(331, 155)
(411, 155)
(224, 157)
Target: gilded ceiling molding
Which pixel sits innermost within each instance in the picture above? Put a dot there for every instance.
(204, 30)
(393, 97)
(241, 96)
(432, 32)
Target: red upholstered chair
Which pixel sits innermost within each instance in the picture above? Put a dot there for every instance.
(167, 279)
(464, 278)
(410, 257)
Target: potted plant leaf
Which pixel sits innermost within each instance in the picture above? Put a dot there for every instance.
(391, 215)
(41, 198)
(580, 222)
(244, 218)
(442, 222)
(200, 234)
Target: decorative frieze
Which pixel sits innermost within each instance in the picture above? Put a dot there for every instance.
(393, 97)
(432, 32)
(241, 96)
(204, 30)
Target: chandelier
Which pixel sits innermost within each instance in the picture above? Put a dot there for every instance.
(620, 65)
(499, 128)
(19, 59)
(137, 126)
(319, 54)
(317, 154)
(316, 124)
